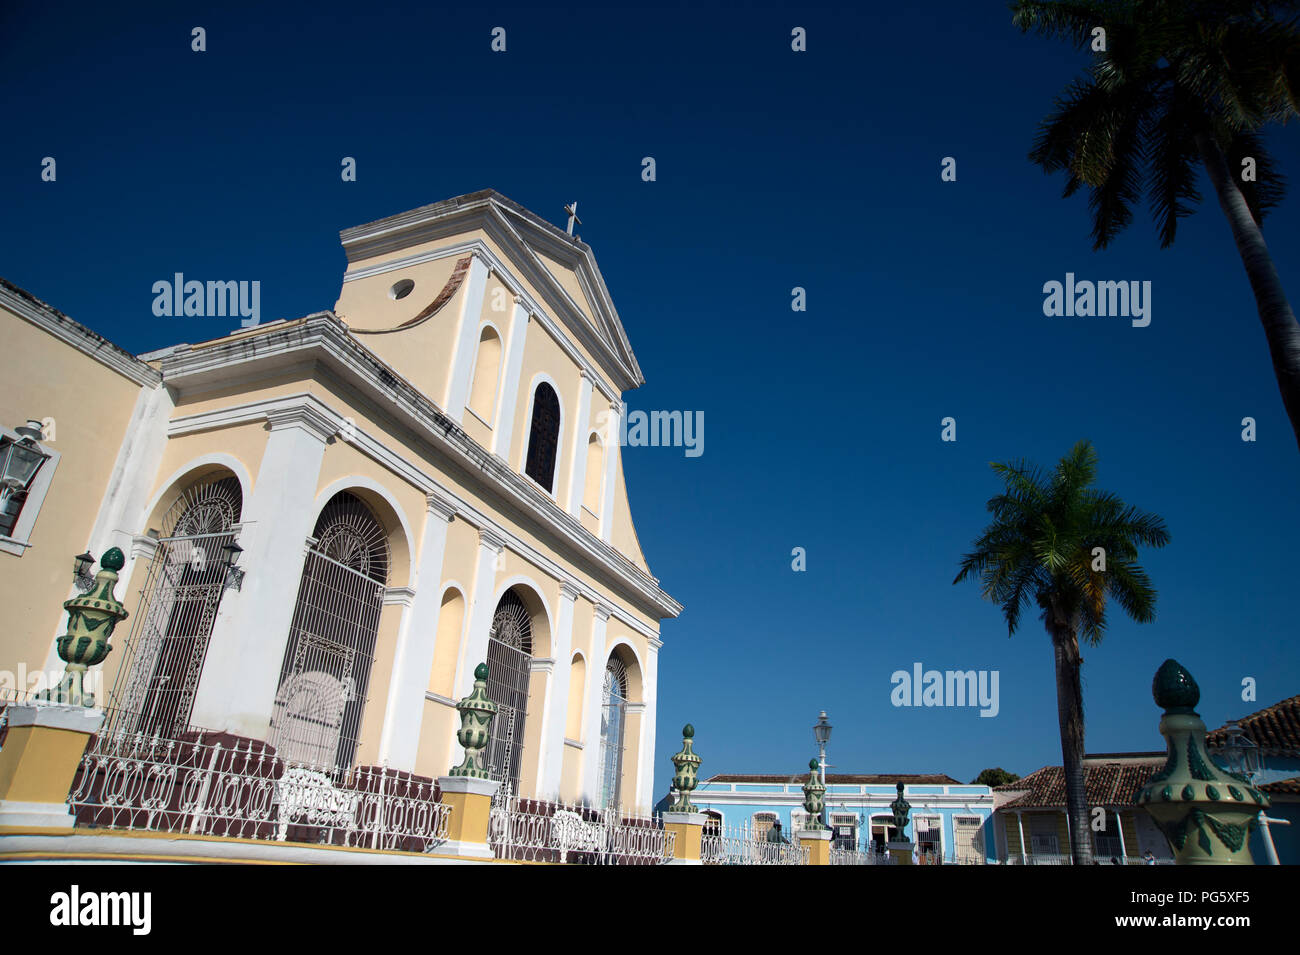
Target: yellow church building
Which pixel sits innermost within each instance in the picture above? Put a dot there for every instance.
(328, 522)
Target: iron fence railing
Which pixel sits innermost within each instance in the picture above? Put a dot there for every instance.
(1061, 858)
(531, 830)
(745, 846)
(859, 857)
(221, 785)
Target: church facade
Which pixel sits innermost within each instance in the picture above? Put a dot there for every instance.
(328, 522)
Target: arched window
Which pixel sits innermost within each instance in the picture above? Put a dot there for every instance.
(613, 723)
(543, 436)
(509, 660)
(316, 719)
(163, 657)
(487, 365)
(595, 475)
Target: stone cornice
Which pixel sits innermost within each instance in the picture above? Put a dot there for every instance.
(518, 232)
(27, 306)
(323, 338)
(535, 310)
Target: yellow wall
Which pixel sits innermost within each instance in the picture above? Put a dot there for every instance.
(91, 406)
(1013, 834)
(422, 353)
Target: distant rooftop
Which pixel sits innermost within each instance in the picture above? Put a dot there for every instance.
(1274, 729)
(845, 779)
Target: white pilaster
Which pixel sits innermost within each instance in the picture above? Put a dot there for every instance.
(121, 510)
(596, 660)
(645, 776)
(613, 451)
(553, 726)
(503, 428)
(482, 606)
(578, 473)
(462, 367)
(242, 671)
(417, 635)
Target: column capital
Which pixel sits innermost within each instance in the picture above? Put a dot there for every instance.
(542, 665)
(568, 591)
(399, 596)
(305, 417)
(603, 610)
(439, 504)
(142, 545)
(491, 540)
(634, 707)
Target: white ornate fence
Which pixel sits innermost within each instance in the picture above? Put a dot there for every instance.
(858, 857)
(226, 786)
(530, 830)
(745, 846)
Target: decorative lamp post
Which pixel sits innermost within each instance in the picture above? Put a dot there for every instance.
(230, 555)
(19, 461)
(81, 575)
(814, 797)
(91, 619)
(686, 776)
(1240, 755)
(1204, 811)
(476, 713)
(822, 733)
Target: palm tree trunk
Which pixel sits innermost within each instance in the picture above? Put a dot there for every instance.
(1280, 327)
(1069, 712)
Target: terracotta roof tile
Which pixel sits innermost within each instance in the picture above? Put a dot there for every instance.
(1275, 730)
(1106, 784)
(1290, 787)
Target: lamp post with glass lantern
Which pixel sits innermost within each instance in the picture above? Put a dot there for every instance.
(19, 462)
(822, 733)
(1239, 754)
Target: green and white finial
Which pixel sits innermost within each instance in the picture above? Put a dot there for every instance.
(476, 714)
(1174, 689)
(91, 619)
(1204, 811)
(900, 807)
(686, 775)
(814, 797)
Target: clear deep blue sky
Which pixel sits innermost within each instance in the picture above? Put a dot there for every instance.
(775, 170)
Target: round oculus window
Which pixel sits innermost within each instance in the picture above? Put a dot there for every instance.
(401, 289)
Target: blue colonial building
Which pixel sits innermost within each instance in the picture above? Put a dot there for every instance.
(950, 821)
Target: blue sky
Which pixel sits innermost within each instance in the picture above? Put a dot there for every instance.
(775, 170)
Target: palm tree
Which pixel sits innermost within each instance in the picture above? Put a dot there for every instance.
(1067, 547)
(1180, 82)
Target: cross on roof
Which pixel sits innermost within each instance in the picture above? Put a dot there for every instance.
(572, 210)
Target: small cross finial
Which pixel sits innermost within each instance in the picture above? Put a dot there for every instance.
(572, 211)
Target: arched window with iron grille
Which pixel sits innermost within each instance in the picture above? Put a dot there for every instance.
(510, 661)
(164, 654)
(543, 436)
(316, 718)
(613, 725)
